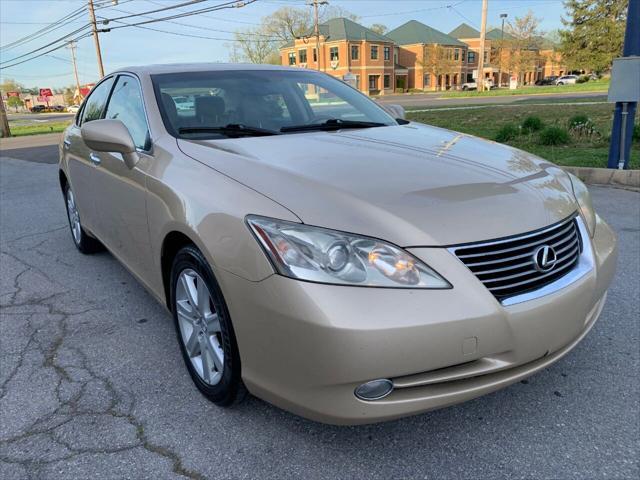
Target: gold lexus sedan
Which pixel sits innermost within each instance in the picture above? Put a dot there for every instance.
(323, 255)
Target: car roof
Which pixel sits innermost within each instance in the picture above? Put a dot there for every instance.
(200, 67)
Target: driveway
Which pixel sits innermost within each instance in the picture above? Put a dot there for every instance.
(92, 384)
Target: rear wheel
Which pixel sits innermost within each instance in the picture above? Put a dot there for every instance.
(81, 239)
(204, 329)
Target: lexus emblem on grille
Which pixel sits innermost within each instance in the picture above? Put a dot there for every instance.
(544, 258)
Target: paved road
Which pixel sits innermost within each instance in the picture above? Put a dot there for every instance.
(92, 384)
(435, 100)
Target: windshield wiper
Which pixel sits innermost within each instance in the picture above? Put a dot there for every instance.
(331, 125)
(231, 130)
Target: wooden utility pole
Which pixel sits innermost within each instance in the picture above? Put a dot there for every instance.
(483, 31)
(316, 28)
(94, 28)
(72, 46)
(5, 132)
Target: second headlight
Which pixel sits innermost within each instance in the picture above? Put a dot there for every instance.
(329, 256)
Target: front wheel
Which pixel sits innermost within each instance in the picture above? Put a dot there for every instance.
(204, 329)
(81, 239)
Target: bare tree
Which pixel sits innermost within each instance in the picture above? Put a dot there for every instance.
(262, 43)
(524, 44)
(439, 60)
(379, 28)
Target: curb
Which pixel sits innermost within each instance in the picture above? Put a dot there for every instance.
(629, 179)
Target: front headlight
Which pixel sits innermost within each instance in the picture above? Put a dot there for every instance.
(583, 198)
(328, 256)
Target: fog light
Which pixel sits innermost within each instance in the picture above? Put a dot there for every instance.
(375, 389)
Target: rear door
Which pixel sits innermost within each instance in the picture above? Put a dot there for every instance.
(78, 156)
(120, 192)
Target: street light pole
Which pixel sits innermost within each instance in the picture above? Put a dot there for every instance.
(483, 31)
(94, 28)
(502, 16)
(316, 28)
(72, 46)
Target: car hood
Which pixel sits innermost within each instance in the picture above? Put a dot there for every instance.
(413, 185)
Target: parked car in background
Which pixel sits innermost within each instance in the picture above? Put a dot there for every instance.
(38, 108)
(567, 80)
(73, 108)
(551, 80)
(335, 260)
(184, 104)
(57, 108)
(488, 84)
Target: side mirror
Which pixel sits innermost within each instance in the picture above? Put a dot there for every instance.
(110, 136)
(396, 111)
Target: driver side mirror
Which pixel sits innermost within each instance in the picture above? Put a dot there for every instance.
(110, 136)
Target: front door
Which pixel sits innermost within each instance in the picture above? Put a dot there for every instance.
(80, 159)
(120, 193)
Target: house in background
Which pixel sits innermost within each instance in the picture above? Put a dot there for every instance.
(415, 56)
(348, 51)
(433, 59)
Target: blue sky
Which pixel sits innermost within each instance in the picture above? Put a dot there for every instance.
(129, 46)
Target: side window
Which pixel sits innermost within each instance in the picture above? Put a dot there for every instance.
(126, 105)
(94, 105)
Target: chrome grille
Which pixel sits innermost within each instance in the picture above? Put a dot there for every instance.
(507, 266)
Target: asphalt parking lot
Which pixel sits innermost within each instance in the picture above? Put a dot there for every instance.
(92, 384)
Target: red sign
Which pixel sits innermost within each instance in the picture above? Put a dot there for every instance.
(13, 94)
(46, 92)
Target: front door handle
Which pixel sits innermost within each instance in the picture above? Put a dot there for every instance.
(94, 158)
(67, 143)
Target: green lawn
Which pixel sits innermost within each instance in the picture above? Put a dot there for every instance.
(594, 86)
(486, 121)
(38, 128)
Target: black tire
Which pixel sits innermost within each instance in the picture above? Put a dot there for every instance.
(465, 87)
(85, 243)
(230, 390)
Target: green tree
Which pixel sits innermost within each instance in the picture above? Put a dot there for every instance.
(594, 33)
(15, 102)
(524, 43)
(10, 85)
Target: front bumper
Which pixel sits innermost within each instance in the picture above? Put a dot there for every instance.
(305, 347)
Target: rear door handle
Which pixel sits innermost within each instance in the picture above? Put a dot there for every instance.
(94, 158)
(67, 143)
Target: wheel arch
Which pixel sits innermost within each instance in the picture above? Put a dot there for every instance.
(62, 177)
(171, 244)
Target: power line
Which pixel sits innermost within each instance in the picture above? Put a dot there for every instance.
(229, 20)
(78, 30)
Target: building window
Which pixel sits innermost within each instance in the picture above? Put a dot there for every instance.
(471, 57)
(333, 54)
(374, 52)
(315, 55)
(387, 81)
(292, 58)
(387, 54)
(302, 56)
(485, 57)
(355, 52)
(427, 80)
(456, 54)
(373, 82)
(358, 82)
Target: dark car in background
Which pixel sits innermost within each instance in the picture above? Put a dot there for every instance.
(551, 80)
(38, 109)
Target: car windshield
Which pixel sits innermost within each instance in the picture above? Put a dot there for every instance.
(222, 104)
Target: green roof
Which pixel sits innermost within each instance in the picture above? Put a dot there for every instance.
(345, 29)
(415, 32)
(496, 34)
(464, 31)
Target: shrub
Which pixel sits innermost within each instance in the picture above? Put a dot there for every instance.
(507, 132)
(554, 136)
(579, 119)
(582, 79)
(636, 132)
(532, 124)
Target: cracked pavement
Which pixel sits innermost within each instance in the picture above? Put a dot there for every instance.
(92, 384)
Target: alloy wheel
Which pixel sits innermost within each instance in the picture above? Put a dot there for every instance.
(74, 217)
(199, 326)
